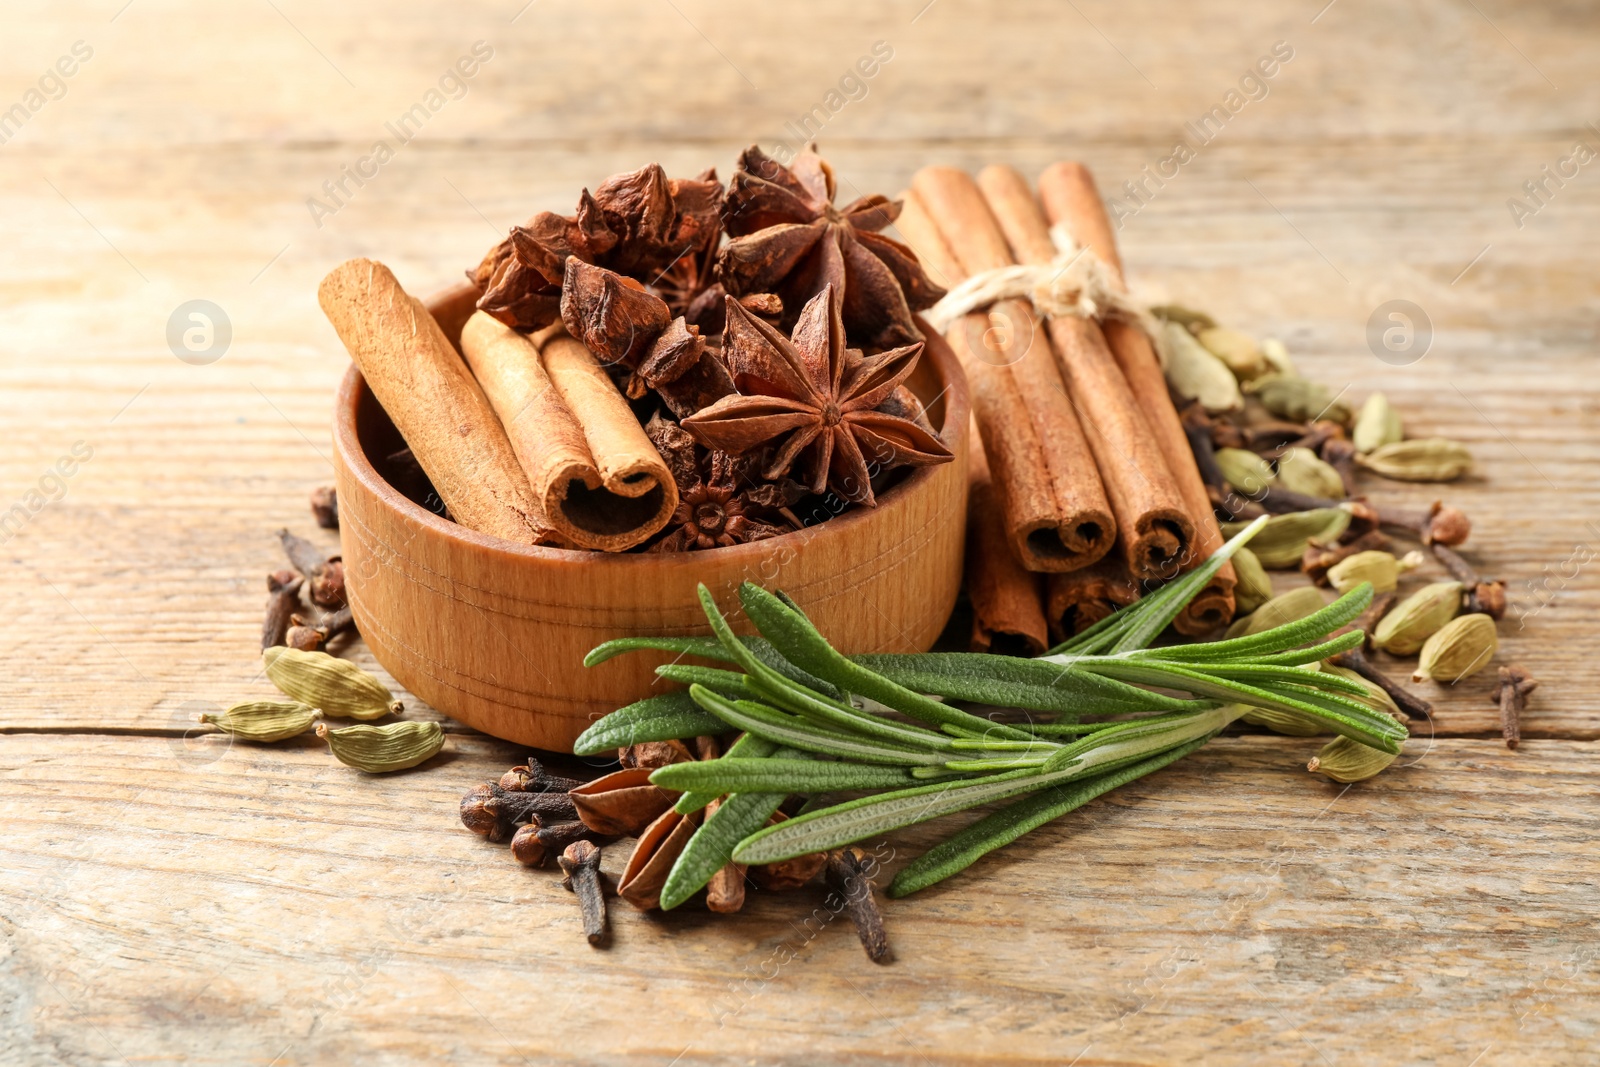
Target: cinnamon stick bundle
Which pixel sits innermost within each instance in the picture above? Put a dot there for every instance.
(433, 401)
(600, 481)
(1007, 615)
(1046, 481)
(1070, 197)
(1154, 529)
(1074, 602)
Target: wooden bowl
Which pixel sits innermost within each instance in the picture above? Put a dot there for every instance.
(494, 633)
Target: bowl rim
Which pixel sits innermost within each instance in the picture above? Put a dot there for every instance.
(347, 444)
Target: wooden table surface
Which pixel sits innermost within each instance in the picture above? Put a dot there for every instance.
(172, 899)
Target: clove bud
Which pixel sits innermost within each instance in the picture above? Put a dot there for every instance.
(535, 842)
(495, 813)
(325, 573)
(1488, 598)
(325, 507)
(1511, 693)
(847, 876)
(283, 588)
(580, 864)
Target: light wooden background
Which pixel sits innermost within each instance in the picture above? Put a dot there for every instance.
(171, 900)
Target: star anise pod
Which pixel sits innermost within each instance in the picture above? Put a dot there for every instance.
(789, 239)
(819, 398)
(637, 224)
(714, 516)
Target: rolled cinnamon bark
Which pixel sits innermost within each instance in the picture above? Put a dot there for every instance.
(1074, 602)
(1007, 615)
(1154, 529)
(1046, 481)
(433, 401)
(600, 481)
(1070, 197)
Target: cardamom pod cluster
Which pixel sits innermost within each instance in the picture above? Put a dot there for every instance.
(1282, 541)
(1288, 607)
(1301, 471)
(1461, 648)
(1416, 618)
(1237, 349)
(1299, 399)
(1195, 373)
(1377, 424)
(1427, 459)
(335, 685)
(380, 749)
(1245, 471)
(1254, 587)
(1382, 569)
(265, 720)
(1345, 760)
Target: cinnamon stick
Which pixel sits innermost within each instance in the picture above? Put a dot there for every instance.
(1154, 529)
(433, 401)
(1046, 481)
(600, 481)
(1007, 615)
(1074, 602)
(1070, 197)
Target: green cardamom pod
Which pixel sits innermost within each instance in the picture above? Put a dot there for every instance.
(1429, 459)
(1345, 760)
(1195, 373)
(1299, 399)
(265, 720)
(1416, 618)
(335, 685)
(1282, 541)
(1277, 357)
(1378, 424)
(379, 749)
(1376, 699)
(1188, 318)
(1254, 587)
(1288, 723)
(1461, 648)
(1237, 349)
(1288, 607)
(1245, 471)
(1300, 471)
(1382, 569)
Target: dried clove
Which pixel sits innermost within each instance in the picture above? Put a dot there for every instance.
(325, 506)
(847, 876)
(1438, 525)
(304, 636)
(495, 813)
(531, 777)
(536, 841)
(1487, 598)
(580, 864)
(325, 573)
(1412, 705)
(284, 599)
(1340, 454)
(1511, 693)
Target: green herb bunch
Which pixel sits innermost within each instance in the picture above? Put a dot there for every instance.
(817, 723)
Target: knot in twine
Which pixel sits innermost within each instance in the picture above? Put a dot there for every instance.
(1075, 282)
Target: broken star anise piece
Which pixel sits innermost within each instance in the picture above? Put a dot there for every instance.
(789, 239)
(819, 399)
(710, 515)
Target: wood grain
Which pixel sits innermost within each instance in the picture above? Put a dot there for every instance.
(160, 908)
(245, 903)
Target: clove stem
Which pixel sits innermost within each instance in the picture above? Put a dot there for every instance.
(1511, 693)
(1488, 598)
(283, 602)
(581, 865)
(848, 877)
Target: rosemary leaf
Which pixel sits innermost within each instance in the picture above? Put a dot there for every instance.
(1010, 682)
(1278, 639)
(734, 775)
(748, 746)
(711, 847)
(997, 829)
(799, 642)
(786, 729)
(666, 717)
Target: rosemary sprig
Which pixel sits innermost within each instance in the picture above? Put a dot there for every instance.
(816, 723)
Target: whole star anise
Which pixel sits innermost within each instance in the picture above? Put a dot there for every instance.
(789, 239)
(819, 397)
